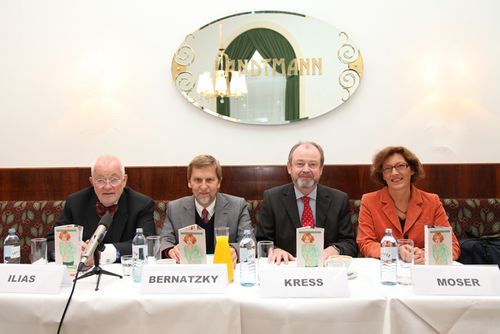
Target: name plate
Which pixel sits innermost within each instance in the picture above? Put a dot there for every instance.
(468, 280)
(32, 278)
(187, 278)
(303, 282)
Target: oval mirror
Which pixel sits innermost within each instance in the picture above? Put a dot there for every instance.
(267, 67)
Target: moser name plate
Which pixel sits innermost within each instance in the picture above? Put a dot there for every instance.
(31, 278)
(184, 278)
(280, 281)
(469, 280)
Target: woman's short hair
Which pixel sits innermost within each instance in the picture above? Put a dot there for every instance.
(64, 235)
(204, 160)
(307, 236)
(409, 156)
(439, 236)
(189, 237)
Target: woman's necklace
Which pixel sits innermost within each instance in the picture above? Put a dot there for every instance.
(405, 198)
(403, 212)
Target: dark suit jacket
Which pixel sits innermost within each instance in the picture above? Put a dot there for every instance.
(279, 218)
(134, 210)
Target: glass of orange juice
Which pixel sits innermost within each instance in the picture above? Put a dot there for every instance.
(222, 252)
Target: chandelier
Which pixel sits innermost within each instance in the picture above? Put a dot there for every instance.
(226, 83)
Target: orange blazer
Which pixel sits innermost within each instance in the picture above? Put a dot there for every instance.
(377, 212)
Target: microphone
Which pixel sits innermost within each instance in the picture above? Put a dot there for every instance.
(99, 234)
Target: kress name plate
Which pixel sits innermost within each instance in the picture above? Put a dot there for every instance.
(285, 282)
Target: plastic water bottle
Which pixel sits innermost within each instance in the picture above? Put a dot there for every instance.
(12, 248)
(247, 259)
(139, 253)
(388, 258)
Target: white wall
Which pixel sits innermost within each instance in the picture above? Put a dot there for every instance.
(81, 78)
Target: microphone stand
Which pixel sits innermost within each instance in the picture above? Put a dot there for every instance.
(97, 270)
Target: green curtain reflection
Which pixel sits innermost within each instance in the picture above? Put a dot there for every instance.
(240, 48)
(269, 44)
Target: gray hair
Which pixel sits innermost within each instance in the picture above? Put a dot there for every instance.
(106, 157)
(300, 143)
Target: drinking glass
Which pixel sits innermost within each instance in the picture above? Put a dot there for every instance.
(222, 252)
(127, 262)
(264, 256)
(405, 261)
(339, 261)
(265, 251)
(38, 252)
(154, 254)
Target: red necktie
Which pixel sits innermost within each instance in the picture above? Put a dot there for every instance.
(204, 216)
(307, 215)
(101, 209)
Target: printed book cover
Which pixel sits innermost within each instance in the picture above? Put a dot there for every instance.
(67, 244)
(438, 245)
(192, 245)
(310, 247)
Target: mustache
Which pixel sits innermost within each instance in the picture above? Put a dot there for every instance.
(306, 174)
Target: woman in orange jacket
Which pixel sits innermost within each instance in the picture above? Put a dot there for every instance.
(399, 205)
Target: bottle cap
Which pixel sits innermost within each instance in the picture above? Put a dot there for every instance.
(139, 229)
(12, 230)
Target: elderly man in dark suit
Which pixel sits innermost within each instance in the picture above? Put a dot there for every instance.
(207, 207)
(108, 193)
(306, 203)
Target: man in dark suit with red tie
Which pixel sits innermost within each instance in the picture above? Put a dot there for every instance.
(130, 209)
(306, 203)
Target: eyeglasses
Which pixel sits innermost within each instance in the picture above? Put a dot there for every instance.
(102, 182)
(399, 168)
(302, 164)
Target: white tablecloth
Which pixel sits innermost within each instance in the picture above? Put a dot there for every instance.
(118, 307)
(407, 313)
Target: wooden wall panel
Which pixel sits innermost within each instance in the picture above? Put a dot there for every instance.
(447, 180)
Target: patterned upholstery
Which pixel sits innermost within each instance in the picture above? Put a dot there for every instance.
(470, 218)
(473, 218)
(160, 213)
(31, 219)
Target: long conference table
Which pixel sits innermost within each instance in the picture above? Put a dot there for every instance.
(119, 307)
